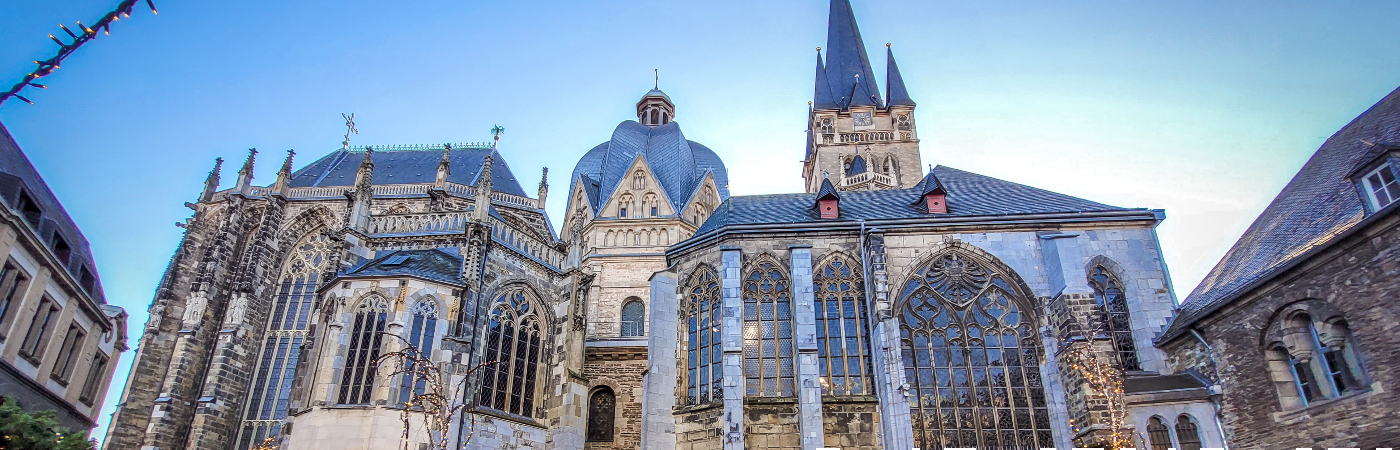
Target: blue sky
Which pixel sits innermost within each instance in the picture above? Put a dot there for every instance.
(1203, 108)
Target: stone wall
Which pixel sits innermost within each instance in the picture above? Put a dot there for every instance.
(771, 424)
(700, 428)
(1358, 276)
(851, 423)
(624, 375)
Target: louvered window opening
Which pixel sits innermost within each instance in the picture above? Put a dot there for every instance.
(1113, 315)
(843, 337)
(420, 337)
(768, 343)
(601, 411)
(357, 380)
(286, 331)
(704, 366)
(972, 357)
(512, 355)
(633, 319)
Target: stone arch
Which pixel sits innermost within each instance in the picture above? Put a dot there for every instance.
(1108, 263)
(532, 294)
(422, 295)
(1023, 290)
(1318, 310)
(318, 216)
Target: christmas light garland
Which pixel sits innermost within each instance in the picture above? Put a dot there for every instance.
(47, 67)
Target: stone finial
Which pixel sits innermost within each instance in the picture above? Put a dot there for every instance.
(483, 189)
(211, 183)
(245, 175)
(444, 166)
(284, 176)
(544, 188)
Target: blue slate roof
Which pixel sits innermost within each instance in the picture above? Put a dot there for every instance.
(822, 98)
(432, 264)
(894, 83)
(846, 58)
(679, 165)
(408, 166)
(930, 185)
(1319, 203)
(969, 194)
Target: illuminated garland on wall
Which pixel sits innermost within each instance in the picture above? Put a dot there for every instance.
(47, 67)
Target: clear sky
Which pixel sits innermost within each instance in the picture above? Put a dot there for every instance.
(1202, 108)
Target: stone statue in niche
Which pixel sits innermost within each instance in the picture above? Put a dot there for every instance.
(194, 309)
(237, 309)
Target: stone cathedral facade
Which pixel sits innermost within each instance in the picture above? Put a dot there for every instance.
(887, 306)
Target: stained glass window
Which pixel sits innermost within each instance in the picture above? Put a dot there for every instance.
(768, 346)
(1113, 309)
(420, 336)
(1159, 435)
(972, 356)
(704, 370)
(601, 409)
(633, 319)
(286, 330)
(513, 353)
(1188, 434)
(357, 380)
(843, 340)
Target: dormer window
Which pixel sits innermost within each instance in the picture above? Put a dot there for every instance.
(61, 250)
(30, 209)
(1382, 187)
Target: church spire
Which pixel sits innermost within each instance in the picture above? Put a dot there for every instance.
(284, 176)
(245, 175)
(211, 184)
(822, 99)
(894, 83)
(847, 66)
(483, 189)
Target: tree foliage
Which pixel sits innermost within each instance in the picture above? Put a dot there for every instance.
(38, 430)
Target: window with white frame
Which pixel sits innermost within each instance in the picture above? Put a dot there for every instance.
(1382, 187)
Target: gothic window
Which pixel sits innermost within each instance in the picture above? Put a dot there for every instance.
(286, 330)
(649, 203)
(768, 346)
(1113, 310)
(420, 336)
(602, 407)
(633, 318)
(637, 180)
(902, 122)
(843, 340)
(1158, 434)
(704, 369)
(623, 204)
(1382, 187)
(357, 380)
(826, 126)
(971, 355)
(512, 354)
(1187, 433)
(1312, 360)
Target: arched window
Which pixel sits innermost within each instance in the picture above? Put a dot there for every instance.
(768, 346)
(1113, 308)
(1187, 433)
(1158, 434)
(843, 341)
(513, 352)
(637, 180)
(649, 204)
(1310, 359)
(704, 370)
(357, 380)
(972, 355)
(420, 336)
(623, 204)
(286, 330)
(634, 318)
(602, 407)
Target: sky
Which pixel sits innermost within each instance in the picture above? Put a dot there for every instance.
(1202, 108)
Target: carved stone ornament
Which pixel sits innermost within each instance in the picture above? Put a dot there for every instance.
(194, 309)
(237, 310)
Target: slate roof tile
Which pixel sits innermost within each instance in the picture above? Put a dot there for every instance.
(408, 166)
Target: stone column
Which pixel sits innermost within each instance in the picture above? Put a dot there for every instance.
(808, 383)
(732, 336)
(896, 425)
(659, 382)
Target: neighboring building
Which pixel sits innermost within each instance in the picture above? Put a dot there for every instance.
(59, 339)
(885, 307)
(1295, 326)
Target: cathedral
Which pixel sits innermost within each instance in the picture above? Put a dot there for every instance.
(417, 296)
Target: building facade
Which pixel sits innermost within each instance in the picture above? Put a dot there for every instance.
(59, 339)
(885, 307)
(1292, 327)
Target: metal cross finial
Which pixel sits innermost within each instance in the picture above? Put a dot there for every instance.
(656, 73)
(349, 128)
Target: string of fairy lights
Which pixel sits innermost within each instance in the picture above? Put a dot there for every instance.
(1105, 378)
(440, 400)
(88, 33)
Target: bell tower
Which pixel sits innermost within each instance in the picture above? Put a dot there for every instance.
(854, 137)
(655, 109)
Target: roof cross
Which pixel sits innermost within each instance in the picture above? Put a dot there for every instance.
(349, 128)
(657, 82)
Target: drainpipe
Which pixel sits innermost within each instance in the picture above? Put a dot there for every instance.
(1215, 397)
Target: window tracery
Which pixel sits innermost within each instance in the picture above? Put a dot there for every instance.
(1113, 311)
(421, 332)
(768, 326)
(513, 344)
(357, 380)
(602, 409)
(972, 355)
(286, 331)
(843, 339)
(704, 370)
(1187, 433)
